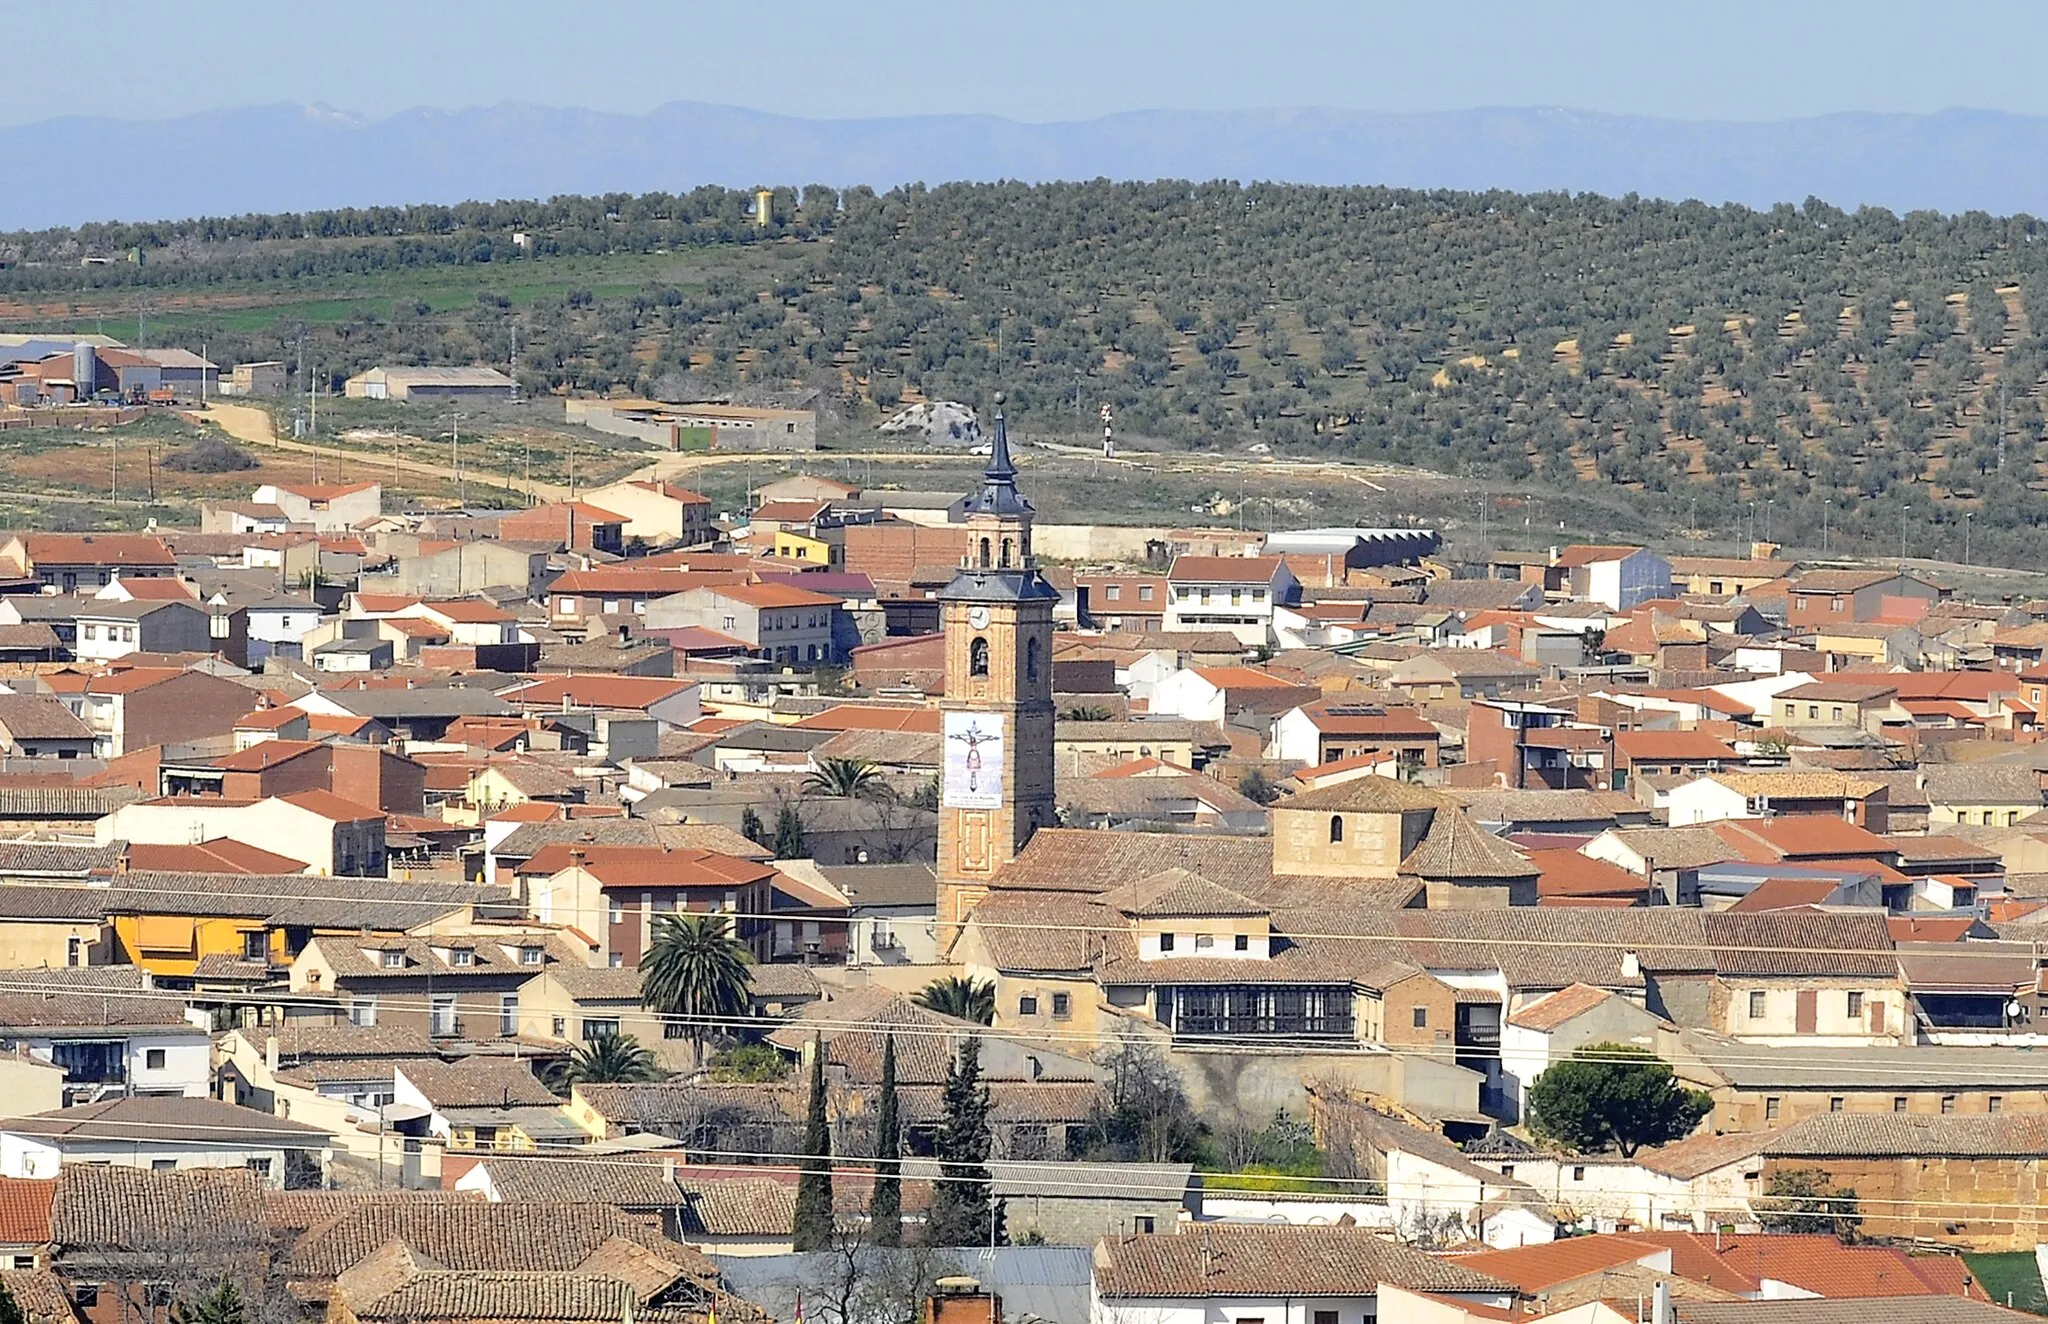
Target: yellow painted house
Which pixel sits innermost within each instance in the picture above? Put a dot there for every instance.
(803, 547)
(171, 923)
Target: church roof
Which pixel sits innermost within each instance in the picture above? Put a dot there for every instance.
(998, 494)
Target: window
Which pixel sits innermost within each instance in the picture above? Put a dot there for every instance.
(255, 946)
(1834, 604)
(74, 951)
(461, 956)
(1995, 1104)
(508, 1013)
(1113, 592)
(1948, 1103)
(977, 657)
(441, 1014)
(1241, 943)
(1166, 942)
(362, 1012)
(1756, 1005)
(731, 624)
(1325, 1317)
(19, 1262)
(1579, 1172)
(1507, 1170)
(153, 1059)
(1771, 1109)
(1145, 1223)
(1422, 1018)
(1855, 1005)
(1835, 714)
(85, 1294)
(259, 1166)
(1336, 828)
(1204, 942)
(531, 956)
(595, 1028)
(1031, 659)
(163, 1164)
(1836, 1103)
(393, 959)
(1027, 1005)
(1062, 1006)
(618, 911)
(1813, 711)
(1144, 593)
(559, 1026)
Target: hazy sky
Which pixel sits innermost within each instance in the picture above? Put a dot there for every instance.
(1031, 59)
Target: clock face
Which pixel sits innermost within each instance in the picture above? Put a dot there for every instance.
(978, 617)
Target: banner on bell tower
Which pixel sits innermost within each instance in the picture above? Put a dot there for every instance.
(974, 761)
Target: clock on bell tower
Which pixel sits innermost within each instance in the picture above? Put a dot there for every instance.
(996, 787)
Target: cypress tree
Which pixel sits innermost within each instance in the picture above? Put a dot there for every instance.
(964, 1212)
(813, 1227)
(885, 1210)
(752, 828)
(789, 835)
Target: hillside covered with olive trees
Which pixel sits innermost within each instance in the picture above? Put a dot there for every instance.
(1853, 368)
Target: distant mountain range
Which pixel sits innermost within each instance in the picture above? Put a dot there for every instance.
(286, 157)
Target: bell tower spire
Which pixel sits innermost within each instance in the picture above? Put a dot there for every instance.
(997, 787)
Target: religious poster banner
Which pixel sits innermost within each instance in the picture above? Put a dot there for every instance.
(974, 761)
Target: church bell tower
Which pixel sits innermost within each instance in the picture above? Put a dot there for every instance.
(997, 715)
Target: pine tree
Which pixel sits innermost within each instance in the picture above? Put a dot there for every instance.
(789, 835)
(813, 1228)
(223, 1305)
(885, 1210)
(963, 1212)
(752, 828)
(10, 1309)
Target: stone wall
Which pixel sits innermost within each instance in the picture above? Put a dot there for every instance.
(1982, 1203)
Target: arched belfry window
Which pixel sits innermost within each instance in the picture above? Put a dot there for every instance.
(977, 658)
(1031, 659)
(984, 553)
(1336, 828)
(1007, 546)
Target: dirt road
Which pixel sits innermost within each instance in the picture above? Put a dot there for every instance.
(250, 425)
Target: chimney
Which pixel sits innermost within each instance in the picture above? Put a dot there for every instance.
(1553, 555)
(1660, 1303)
(270, 1054)
(668, 1169)
(1631, 965)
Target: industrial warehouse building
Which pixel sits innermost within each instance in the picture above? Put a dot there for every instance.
(421, 383)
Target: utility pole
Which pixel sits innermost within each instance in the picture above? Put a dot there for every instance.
(455, 457)
(513, 367)
(1966, 537)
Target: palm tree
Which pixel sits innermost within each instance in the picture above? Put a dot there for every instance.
(696, 968)
(846, 779)
(611, 1059)
(962, 998)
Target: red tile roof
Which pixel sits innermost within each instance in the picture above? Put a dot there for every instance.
(646, 866)
(329, 805)
(25, 1210)
(266, 754)
(1673, 747)
(597, 691)
(1785, 894)
(1800, 836)
(1566, 873)
(468, 611)
(1224, 569)
(859, 717)
(221, 855)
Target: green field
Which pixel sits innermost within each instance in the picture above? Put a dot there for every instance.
(2015, 1273)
